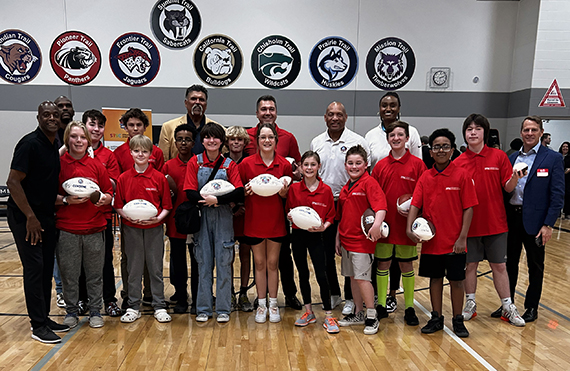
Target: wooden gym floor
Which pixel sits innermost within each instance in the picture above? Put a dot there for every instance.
(242, 344)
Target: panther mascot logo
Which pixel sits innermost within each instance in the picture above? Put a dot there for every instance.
(391, 66)
(17, 57)
(75, 58)
(177, 23)
(332, 64)
(218, 61)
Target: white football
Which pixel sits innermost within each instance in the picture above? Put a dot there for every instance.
(305, 217)
(140, 209)
(286, 178)
(290, 159)
(265, 185)
(385, 230)
(81, 187)
(521, 166)
(217, 187)
(404, 206)
(423, 229)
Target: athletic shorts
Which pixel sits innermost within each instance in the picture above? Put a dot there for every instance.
(356, 264)
(252, 241)
(451, 266)
(400, 253)
(493, 248)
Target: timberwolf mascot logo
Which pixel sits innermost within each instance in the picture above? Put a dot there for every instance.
(175, 23)
(390, 63)
(20, 57)
(332, 64)
(390, 66)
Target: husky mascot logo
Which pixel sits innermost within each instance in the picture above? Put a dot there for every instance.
(218, 60)
(175, 23)
(390, 63)
(276, 62)
(75, 58)
(134, 59)
(20, 57)
(333, 62)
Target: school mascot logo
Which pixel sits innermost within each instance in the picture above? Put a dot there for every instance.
(75, 58)
(175, 23)
(333, 63)
(276, 62)
(390, 63)
(134, 59)
(20, 57)
(218, 60)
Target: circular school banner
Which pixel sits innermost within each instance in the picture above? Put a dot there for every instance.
(276, 62)
(20, 57)
(134, 59)
(75, 58)
(218, 60)
(175, 23)
(333, 63)
(390, 63)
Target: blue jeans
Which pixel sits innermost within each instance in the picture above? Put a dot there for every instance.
(57, 276)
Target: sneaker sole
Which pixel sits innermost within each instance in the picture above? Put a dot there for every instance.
(260, 321)
(470, 318)
(305, 323)
(96, 326)
(45, 341)
(370, 332)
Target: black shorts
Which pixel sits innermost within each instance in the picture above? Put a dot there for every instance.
(257, 240)
(451, 266)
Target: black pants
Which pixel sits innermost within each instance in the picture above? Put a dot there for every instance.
(179, 267)
(313, 242)
(518, 237)
(329, 238)
(37, 262)
(286, 266)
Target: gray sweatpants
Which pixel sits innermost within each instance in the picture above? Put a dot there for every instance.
(145, 246)
(72, 251)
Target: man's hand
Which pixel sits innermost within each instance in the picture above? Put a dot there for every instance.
(33, 230)
(546, 233)
(460, 246)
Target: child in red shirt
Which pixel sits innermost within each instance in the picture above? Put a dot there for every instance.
(446, 195)
(359, 194)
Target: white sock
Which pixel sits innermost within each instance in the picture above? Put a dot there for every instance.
(272, 302)
(370, 313)
(471, 296)
(506, 303)
(262, 303)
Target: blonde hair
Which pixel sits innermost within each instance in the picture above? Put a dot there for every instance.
(238, 132)
(140, 141)
(74, 124)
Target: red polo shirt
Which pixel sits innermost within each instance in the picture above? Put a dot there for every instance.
(84, 218)
(191, 180)
(397, 178)
(151, 186)
(126, 162)
(491, 170)
(264, 216)
(176, 169)
(442, 198)
(364, 194)
(106, 157)
(321, 200)
(287, 145)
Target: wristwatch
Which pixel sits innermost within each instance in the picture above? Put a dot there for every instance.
(64, 200)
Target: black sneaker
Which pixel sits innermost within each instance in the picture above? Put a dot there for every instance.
(293, 302)
(410, 317)
(181, 306)
(175, 298)
(56, 327)
(112, 309)
(82, 307)
(391, 304)
(381, 312)
(193, 309)
(458, 326)
(434, 324)
(371, 326)
(45, 335)
(498, 313)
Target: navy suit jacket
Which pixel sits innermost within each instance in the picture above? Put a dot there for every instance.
(543, 197)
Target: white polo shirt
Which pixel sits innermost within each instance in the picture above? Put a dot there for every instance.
(333, 155)
(380, 148)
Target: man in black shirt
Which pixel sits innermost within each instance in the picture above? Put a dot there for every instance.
(33, 183)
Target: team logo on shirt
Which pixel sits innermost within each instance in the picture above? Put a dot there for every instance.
(333, 63)
(343, 149)
(390, 63)
(20, 57)
(175, 23)
(218, 60)
(75, 58)
(134, 59)
(276, 62)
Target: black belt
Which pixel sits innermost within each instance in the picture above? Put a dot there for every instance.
(517, 208)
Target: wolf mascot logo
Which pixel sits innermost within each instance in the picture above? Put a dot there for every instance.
(391, 66)
(332, 64)
(390, 63)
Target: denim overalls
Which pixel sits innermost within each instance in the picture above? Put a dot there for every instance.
(215, 240)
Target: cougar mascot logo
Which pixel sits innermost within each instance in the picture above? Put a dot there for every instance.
(176, 23)
(218, 61)
(391, 66)
(17, 56)
(75, 58)
(332, 64)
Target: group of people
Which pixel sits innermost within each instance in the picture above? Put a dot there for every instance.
(340, 177)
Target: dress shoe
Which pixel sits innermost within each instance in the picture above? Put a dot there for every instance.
(530, 315)
(293, 302)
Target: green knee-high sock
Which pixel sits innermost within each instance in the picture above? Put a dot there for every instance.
(382, 285)
(408, 280)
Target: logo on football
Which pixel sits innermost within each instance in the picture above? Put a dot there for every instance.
(265, 185)
(305, 217)
(140, 209)
(423, 229)
(367, 220)
(81, 187)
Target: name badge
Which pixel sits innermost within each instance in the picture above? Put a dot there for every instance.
(542, 173)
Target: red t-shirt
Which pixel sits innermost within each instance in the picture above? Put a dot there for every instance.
(442, 198)
(287, 145)
(106, 157)
(151, 186)
(397, 178)
(84, 218)
(264, 216)
(176, 169)
(191, 180)
(126, 162)
(321, 200)
(365, 193)
(491, 170)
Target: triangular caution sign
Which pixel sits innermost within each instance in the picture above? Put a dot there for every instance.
(553, 97)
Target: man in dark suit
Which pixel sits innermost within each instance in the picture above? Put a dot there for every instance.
(532, 210)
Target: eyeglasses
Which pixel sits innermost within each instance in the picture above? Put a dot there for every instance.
(264, 138)
(445, 148)
(187, 140)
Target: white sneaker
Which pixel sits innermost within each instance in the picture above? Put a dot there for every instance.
(348, 307)
(162, 316)
(261, 314)
(470, 310)
(274, 315)
(202, 317)
(222, 318)
(335, 301)
(59, 301)
(512, 316)
(131, 315)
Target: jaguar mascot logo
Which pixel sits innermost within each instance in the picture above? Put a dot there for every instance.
(135, 59)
